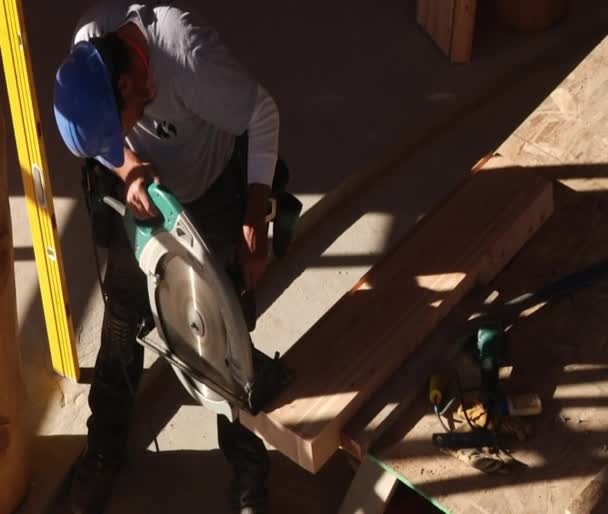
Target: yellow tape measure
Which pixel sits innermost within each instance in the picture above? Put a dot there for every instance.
(37, 186)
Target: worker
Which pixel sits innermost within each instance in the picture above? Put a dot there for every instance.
(150, 92)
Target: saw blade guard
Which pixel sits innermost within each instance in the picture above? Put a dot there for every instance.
(193, 301)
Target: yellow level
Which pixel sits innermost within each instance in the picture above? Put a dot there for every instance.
(37, 186)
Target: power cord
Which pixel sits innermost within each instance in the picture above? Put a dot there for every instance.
(440, 418)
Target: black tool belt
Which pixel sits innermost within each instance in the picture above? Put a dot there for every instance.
(283, 212)
(97, 182)
(284, 208)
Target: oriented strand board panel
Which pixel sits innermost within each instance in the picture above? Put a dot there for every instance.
(451, 24)
(352, 350)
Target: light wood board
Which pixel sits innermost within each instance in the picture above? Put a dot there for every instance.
(352, 350)
(404, 387)
(371, 490)
(451, 24)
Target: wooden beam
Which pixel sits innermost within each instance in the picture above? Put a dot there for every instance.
(5, 436)
(359, 343)
(451, 24)
(371, 490)
(593, 498)
(465, 14)
(14, 465)
(403, 388)
(436, 17)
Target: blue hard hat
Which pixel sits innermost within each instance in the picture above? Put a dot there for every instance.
(85, 105)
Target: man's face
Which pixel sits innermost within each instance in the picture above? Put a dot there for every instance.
(136, 95)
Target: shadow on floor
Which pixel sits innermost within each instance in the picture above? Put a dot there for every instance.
(191, 482)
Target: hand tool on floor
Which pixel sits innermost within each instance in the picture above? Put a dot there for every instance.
(489, 347)
(472, 444)
(198, 325)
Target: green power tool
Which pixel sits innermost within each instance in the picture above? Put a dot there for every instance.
(489, 345)
(198, 324)
(491, 349)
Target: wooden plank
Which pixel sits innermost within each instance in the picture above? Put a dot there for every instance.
(451, 24)
(5, 436)
(352, 350)
(371, 490)
(436, 17)
(403, 388)
(14, 433)
(463, 32)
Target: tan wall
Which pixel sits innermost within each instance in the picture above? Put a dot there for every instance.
(14, 438)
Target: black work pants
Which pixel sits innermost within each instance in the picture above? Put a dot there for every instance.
(118, 369)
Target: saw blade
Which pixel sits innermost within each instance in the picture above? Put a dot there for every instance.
(191, 318)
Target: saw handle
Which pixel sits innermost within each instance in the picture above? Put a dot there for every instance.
(140, 232)
(166, 203)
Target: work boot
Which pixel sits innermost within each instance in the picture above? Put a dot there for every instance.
(248, 495)
(92, 482)
(250, 464)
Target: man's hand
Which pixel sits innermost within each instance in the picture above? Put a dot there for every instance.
(137, 176)
(253, 254)
(136, 186)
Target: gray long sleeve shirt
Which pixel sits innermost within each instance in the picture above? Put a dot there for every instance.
(204, 99)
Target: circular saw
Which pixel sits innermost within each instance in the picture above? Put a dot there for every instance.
(198, 325)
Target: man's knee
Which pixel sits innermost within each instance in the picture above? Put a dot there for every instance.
(118, 337)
